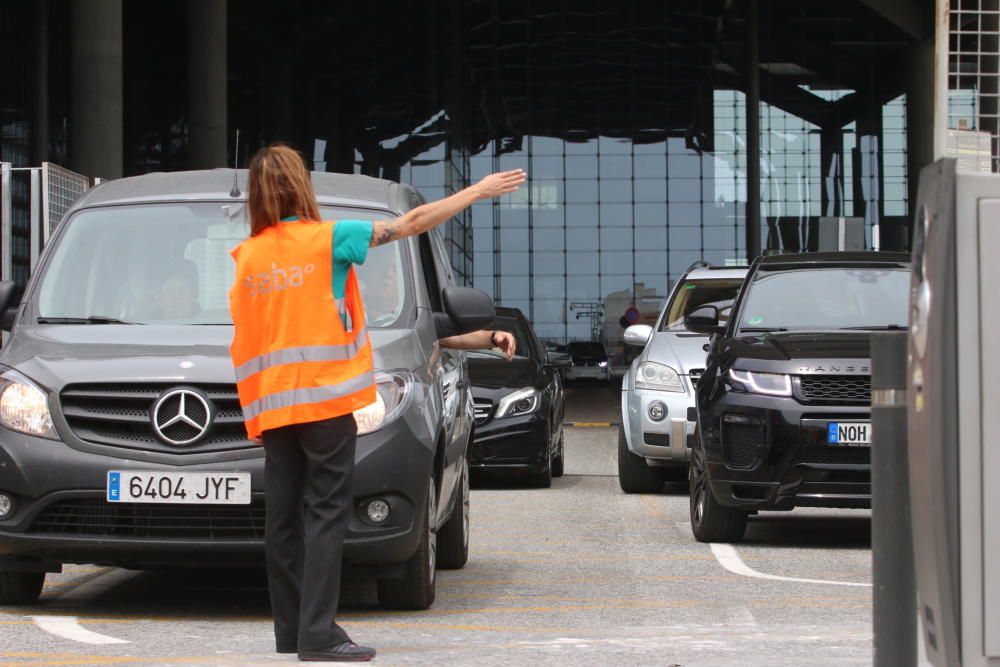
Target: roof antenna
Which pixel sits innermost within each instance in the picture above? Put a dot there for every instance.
(235, 192)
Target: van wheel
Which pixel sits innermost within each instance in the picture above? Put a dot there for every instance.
(21, 587)
(634, 475)
(558, 463)
(453, 538)
(416, 589)
(710, 521)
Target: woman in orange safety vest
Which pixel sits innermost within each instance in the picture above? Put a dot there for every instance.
(303, 365)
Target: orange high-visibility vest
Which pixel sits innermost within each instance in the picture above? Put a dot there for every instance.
(300, 354)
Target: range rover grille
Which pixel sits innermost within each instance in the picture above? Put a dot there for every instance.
(95, 517)
(741, 442)
(836, 388)
(483, 410)
(119, 414)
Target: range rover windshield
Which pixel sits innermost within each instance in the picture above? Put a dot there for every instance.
(827, 299)
(170, 264)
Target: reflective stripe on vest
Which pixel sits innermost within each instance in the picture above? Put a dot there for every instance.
(292, 397)
(297, 355)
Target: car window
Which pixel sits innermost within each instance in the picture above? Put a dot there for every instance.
(693, 294)
(521, 335)
(170, 264)
(827, 299)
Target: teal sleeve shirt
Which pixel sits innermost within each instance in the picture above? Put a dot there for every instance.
(351, 239)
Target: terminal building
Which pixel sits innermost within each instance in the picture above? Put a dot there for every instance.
(655, 134)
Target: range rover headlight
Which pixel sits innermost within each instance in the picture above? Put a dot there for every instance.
(392, 389)
(521, 402)
(769, 384)
(24, 407)
(652, 375)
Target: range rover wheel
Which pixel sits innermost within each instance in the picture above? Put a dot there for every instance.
(710, 521)
(558, 463)
(21, 587)
(634, 475)
(416, 589)
(453, 538)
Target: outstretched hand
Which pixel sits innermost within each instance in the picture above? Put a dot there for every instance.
(506, 342)
(500, 183)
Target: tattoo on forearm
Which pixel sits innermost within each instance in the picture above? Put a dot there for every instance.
(385, 233)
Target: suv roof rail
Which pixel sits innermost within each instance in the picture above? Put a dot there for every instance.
(699, 263)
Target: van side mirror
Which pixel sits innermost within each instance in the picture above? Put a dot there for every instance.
(465, 310)
(8, 310)
(704, 320)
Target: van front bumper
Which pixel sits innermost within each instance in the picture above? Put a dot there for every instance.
(60, 514)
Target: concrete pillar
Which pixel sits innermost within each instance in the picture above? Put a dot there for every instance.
(831, 151)
(919, 68)
(96, 134)
(207, 84)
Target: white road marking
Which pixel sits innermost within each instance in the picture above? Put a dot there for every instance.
(728, 558)
(68, 627)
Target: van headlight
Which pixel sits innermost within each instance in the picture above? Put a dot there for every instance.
(521, 402)
(769, 384)
(24, 407)
(392, 389)
(652, 375)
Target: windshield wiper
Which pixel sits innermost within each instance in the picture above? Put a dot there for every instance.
(762, 329)
(877, 327)
(91, 319)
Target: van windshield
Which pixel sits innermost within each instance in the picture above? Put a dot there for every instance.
(170, 264)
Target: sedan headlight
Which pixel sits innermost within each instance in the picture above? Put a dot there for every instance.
(652, 375)
(769, 384)
(521, 402)
(392, 390)
(24, 407)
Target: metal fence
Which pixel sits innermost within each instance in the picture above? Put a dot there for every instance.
(973, 116)
(33, 201)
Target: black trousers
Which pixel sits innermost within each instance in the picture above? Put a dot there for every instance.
(308, 476)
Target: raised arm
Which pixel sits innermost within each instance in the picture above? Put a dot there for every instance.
(482, 340)
(428, 216)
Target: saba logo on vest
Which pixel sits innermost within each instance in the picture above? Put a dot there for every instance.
(278, 280)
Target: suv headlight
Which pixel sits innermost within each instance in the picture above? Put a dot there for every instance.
(769, 384)
(392, 389)
(521, 402)
(24, 407)
(652, 375)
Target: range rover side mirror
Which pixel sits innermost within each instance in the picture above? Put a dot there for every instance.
(704, 320)
(465, 310)
(638, 334)
(558, 359)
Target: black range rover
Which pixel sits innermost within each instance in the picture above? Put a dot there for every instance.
(783, 408)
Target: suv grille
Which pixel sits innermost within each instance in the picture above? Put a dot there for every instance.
(483, 410)
(693, 375)
(741, 442)
(94, 516)
(836, 388)
(120, 415)
(832, 455)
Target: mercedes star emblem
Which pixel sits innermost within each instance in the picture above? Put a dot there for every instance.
(181, 417)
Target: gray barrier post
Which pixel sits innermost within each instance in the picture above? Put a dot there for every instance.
(894, 581)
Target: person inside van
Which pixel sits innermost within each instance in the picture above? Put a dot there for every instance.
(177, 296)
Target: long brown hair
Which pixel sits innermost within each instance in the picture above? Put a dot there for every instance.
(280, 186)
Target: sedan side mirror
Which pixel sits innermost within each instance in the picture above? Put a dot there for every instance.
(704, 320)
(638, 334)
(465, 310)
(558, 360)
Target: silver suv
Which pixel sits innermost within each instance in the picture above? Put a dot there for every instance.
(654, 438)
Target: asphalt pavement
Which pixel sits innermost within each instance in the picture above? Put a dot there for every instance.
(579, 574)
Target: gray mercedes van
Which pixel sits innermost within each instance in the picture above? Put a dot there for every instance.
(121, 435)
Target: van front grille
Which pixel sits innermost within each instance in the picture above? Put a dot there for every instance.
(120, 415)
(95, 517)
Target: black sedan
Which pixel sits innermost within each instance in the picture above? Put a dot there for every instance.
(519, 405)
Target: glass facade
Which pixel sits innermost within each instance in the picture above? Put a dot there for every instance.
(631, 123)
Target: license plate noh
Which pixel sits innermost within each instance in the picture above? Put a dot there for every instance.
(850, 434)
(189, 488)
